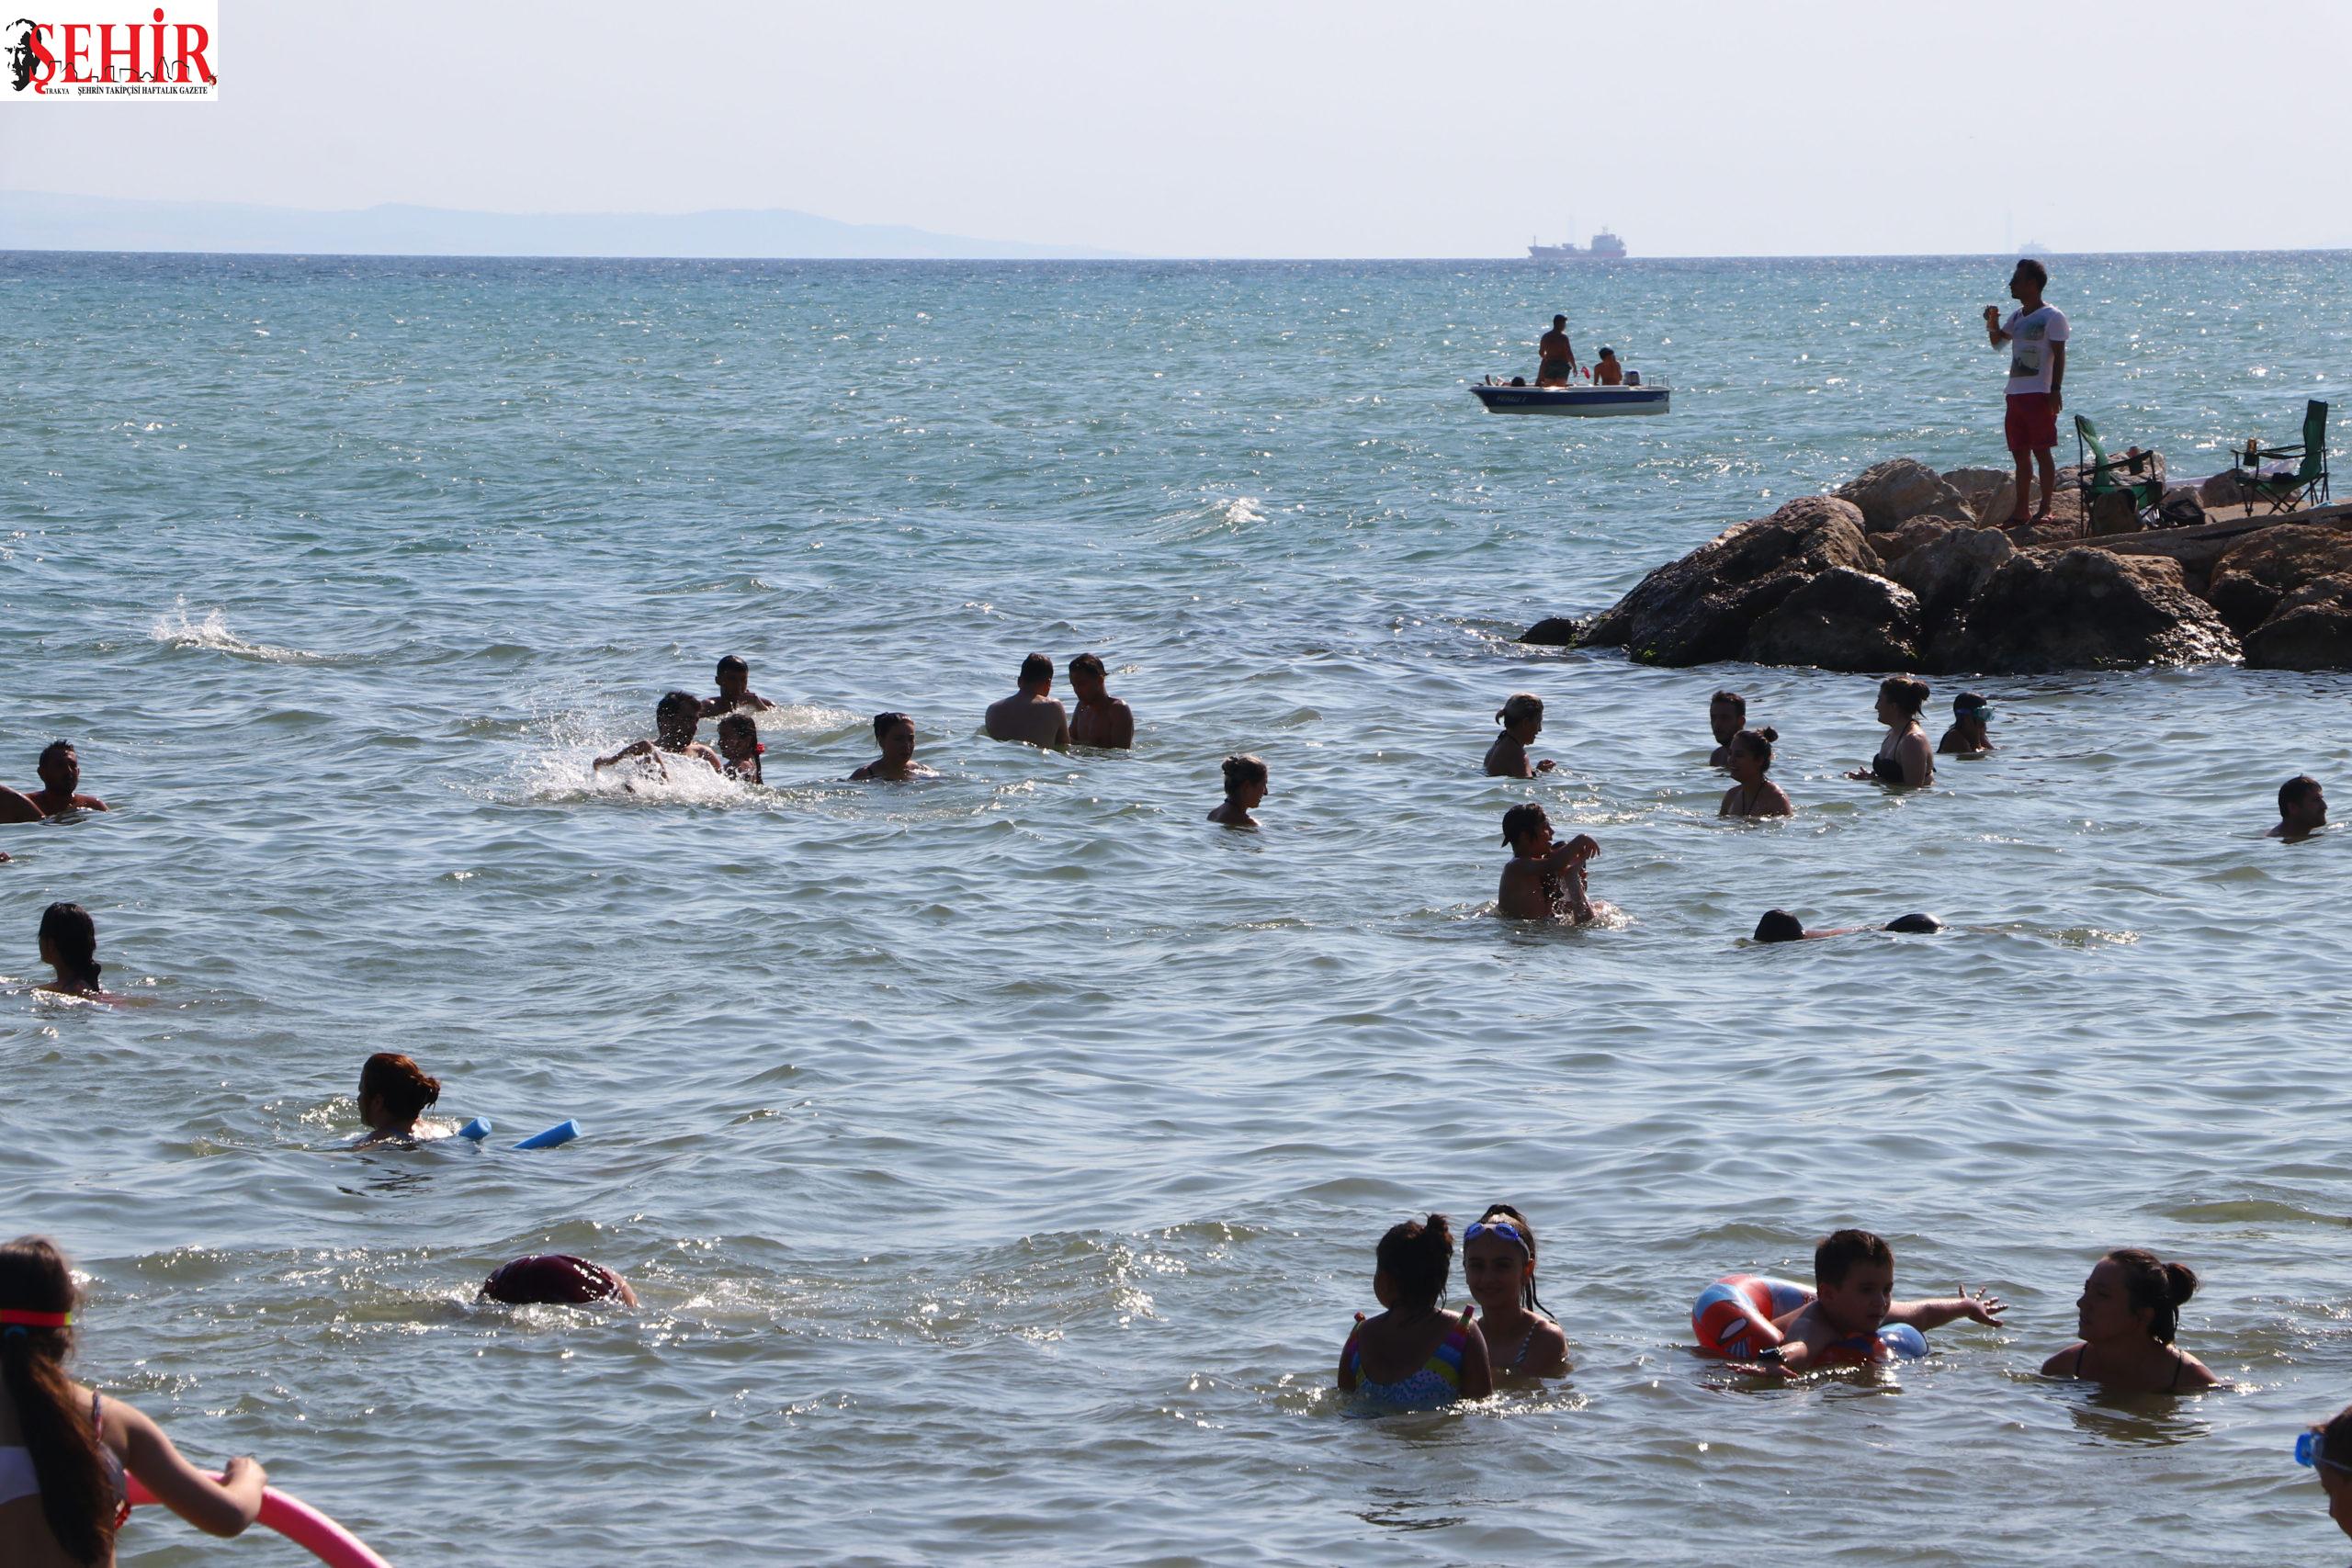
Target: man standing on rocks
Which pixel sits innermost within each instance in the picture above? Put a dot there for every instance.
(2036, 334)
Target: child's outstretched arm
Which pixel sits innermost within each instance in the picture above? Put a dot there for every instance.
(1983, 1306)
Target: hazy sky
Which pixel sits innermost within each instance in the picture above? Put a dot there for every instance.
(1376, 127)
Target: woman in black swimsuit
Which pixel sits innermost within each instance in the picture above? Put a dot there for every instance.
(2129, 1308)
(1904, 757)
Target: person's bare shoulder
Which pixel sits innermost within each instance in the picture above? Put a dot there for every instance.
(2062, 1365)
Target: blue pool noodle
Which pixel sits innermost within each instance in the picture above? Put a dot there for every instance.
(476, 1130)
(561, 1132)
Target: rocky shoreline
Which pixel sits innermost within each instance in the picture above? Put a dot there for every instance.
(1905, 569)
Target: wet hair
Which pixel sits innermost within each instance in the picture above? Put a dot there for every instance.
(1733, 698)
(74, 936)
(1914, 924)
(1778, 925)
(1519, 1222)
(1967, 704)
(1037, 667)
(77, 1498)
(1519, 706)
(52, 748)
(2163, 1288)
(551, 1278)
(2295, 791)
(1760, 741)
(1417, 1257)
(1559, 320)
(1907, 694)
(1608, 353)
(1242, 769)
(1522, 820)
(403, 1086)
(2335, 1439)
(2034, 270)
(886, 722)
(740, 724)
(677, 711)
(1835, 1255)
(733, 665)
(1090, 663)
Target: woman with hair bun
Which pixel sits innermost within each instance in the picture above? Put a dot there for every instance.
(1245, 789)
(63, 1449)
(1751, 794)
(393, 1093)
(1416, 1355)
(1521, 716)
(1904, 757)
(2127, 1313)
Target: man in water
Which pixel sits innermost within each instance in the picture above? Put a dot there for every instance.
(2036, 334)
(2303, 810)
(1727, 717)
(1609, 373)
(895, 733)
(675, 718)
(1555, 358)
(61, 779)
(1101, 719)
(734, 690)
(1030, 714)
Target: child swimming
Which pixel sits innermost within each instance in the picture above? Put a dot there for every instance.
(2127, 1315)
(1521, 716)
(1542, 880)
(1751, 794)
(1245, 789)
(734, 691)
(1498, 1265)
(1415, 1355)
(675, 718)
(1853, 1282)
(64, 1450)
(739, 748)
(393, 1093)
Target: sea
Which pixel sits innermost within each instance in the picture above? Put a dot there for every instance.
(999, 1158)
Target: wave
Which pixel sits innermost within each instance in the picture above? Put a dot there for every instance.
(176, 630)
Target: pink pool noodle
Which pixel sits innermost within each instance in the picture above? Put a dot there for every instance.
(300, 1523)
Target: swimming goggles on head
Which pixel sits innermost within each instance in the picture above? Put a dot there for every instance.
(1982, 715)
(17, 1317)
(1502, 1228)
(2308, 1453)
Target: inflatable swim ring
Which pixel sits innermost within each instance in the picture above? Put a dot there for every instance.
(1733, 1318)
(300, 1523)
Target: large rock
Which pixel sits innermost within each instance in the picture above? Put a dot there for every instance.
(1701, 608)
(1841, 619)
(1946, 576)
(1557, 631)
(2255, 574)
(1919, 531)
(2311, 630)
(2223, 489)
(2078, 609)
(1891, 493)
(1991, 493)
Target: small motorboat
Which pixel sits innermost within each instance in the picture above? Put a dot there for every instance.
(1587, 401)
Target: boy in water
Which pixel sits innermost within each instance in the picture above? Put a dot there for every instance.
(738, 746)
(895, 733)
(1101, 719)
(675, 718)
(1854, 1281)
(734, 690)
(2303, 810)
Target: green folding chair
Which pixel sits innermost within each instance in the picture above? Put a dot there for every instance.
(2128, 477)
(2259, 475)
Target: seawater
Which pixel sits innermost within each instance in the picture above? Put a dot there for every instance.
(999, 1158)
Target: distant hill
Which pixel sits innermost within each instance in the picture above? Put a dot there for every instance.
(42, 221)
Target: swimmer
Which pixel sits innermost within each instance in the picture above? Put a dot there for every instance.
(1544, 880)
(1030, 714)
(895, 733)
(1967, 736)
(555, 1279)
(1902, 757)
(393, 1092)
(1521, 716)
(69, 944)
(739, 748)
(1727, 717)
(734, 690)
(64, 1451)
(1498, 1265)
(1853, 1278)
(1245, 790)
(2126, 1316)
(1778, 925)
(2303, 810)
(1753, 794)
(2331, 1457)
(61, 782)
(1415, 1355)
(1101, 719)
(675, 718)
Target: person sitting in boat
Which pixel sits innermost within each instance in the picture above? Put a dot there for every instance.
(1556, 357)
(1609, 373)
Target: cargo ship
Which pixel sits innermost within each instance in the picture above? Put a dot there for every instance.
(1605, 246)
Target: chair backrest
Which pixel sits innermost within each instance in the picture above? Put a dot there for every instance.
(2089, 433)
(2314, 440)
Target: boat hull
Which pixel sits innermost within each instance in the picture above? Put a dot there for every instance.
(1584, 403)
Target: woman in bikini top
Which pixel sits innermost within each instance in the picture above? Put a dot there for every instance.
(2127, 1315)
(1904, 756)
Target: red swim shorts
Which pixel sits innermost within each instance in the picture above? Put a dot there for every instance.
(2032, 424)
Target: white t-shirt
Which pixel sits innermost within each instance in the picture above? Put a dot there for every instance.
(2030, 335)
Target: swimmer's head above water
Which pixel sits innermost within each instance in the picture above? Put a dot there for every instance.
(895, 734)
(556, 1279)
(1523, 714)
(2302, 806)
(1037, 674)
(675, 718)
(738, 739)
(394, 1091)
(1414, 1260)
(69, 944)
(1526, 829)
(1900, 698)
(1726, 715)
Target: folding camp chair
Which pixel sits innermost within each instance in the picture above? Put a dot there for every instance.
(2266, 479)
